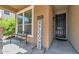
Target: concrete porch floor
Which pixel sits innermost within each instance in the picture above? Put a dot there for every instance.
(61, 47)
(13, 46)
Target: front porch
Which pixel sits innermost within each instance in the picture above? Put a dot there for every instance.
(15, 46)
(39, 24)
(61, 47)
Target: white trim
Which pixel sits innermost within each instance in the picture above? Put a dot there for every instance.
(16, 24)
(24, 10)
(32, 20)
(29, 35)
(60, 12)
(67, 24)
(23, 23)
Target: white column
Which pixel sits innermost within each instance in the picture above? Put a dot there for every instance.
(16, 18)
(23, 24)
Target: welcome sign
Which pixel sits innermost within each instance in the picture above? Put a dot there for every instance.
(39, 34)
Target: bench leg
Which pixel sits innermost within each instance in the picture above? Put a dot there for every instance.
(10, 41)
(26, 41)
(20, 41)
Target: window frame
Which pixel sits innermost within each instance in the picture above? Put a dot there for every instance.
(23, 11)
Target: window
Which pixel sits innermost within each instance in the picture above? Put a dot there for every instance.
(24, 22)
(6, 12)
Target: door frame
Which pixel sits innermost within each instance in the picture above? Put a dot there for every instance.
(61, 12)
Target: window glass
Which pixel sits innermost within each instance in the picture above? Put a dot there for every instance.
(28, 21)
(20, 23)
(25, 22)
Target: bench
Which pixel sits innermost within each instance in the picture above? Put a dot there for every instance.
(21, 37)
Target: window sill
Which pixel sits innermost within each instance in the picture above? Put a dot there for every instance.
(30, 35)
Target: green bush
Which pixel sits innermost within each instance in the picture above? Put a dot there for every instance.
(8, 25)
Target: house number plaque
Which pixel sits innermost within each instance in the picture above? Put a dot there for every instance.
(39, 34)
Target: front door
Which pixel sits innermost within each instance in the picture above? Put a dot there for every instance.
(60, 26)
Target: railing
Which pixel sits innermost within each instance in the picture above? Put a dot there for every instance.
(1, 32)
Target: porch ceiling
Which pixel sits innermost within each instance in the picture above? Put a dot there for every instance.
(16, 8)
(13, 8)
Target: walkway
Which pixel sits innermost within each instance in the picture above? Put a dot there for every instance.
(61, 47)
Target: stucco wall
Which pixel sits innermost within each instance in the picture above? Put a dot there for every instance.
(59, 8)
(74, 26)
(47, 34)
(46, 12)
(51, 25)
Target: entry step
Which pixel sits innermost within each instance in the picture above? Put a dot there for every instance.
(37, 51)
(64, 39)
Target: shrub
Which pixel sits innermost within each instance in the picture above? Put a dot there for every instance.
(8, 26)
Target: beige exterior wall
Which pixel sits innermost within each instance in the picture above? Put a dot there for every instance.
(51, 25)
(72, 13)
(74, 26)
(59, 9)
(48, 25)
(29, 39)
(47, 21)
(46, 11)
